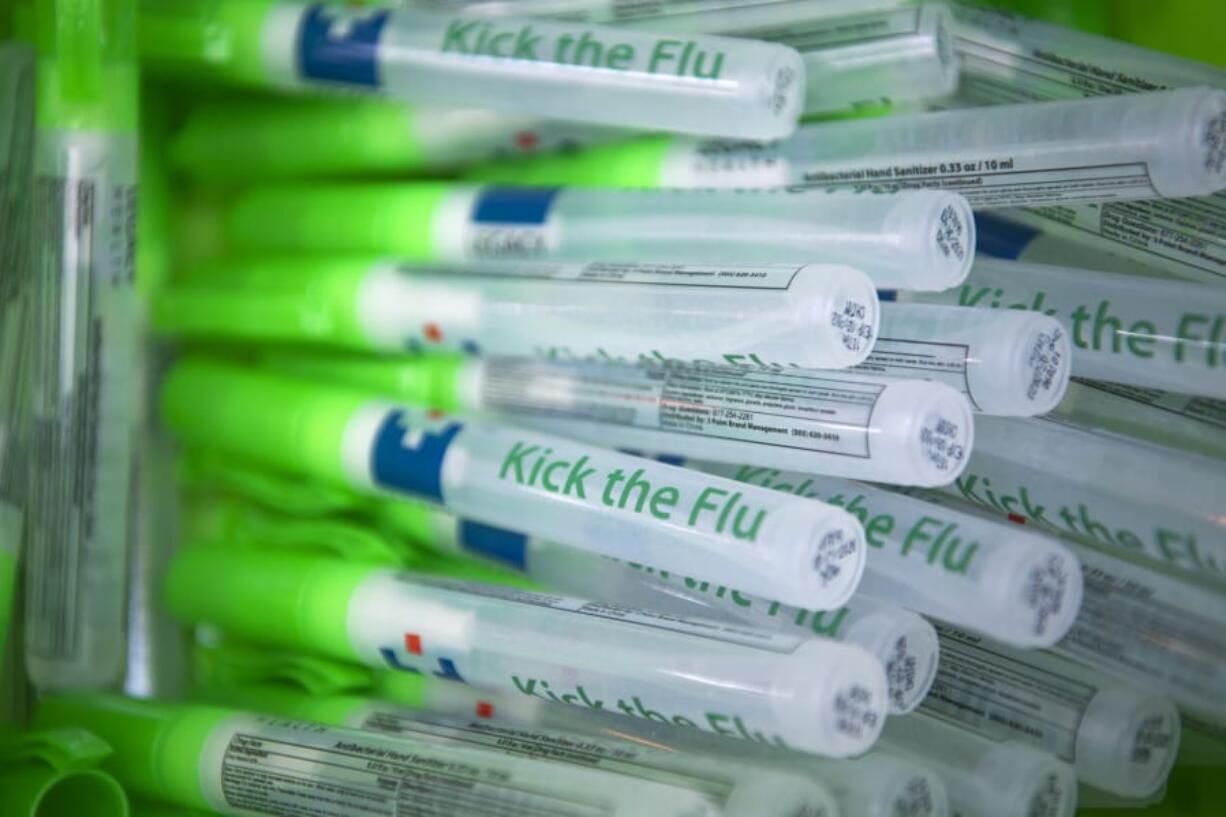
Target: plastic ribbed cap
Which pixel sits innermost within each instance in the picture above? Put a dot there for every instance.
(1127, 741)
(908, 649)
(846, 690)
(926, 432)
(1028, 368)
(205, 38)
(430, 381)
(274, 598)
(947, 234)
(1044, 581)
(1019, 781)
(156, 746)
(1198, 166)
(847, 312)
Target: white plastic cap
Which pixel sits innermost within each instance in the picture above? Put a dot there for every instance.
(1025, 370)
(1127, 741)
(924, 431)
(1042, 581)
(940, 226)
(846, 693)
(844, 304)
(1197, 167)
(908, 649)
(1015, 780)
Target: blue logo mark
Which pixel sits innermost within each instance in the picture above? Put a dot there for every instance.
(341, 45)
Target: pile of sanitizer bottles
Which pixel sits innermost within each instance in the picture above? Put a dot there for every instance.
(599, 408)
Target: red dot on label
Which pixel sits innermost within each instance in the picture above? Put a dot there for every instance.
(1017, 519)
(435, 414)
(485, 709)
(432, 332)
(412, 643)
(526, 140)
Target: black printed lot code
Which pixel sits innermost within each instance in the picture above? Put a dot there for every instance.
(290, 779)
(782, 409)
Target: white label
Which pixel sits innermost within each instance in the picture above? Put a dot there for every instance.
(920, 359)
(1164, 633)
(725, 164)
(762, 276)
(83, 377)
(782, 409)
(255, 765)
(580, 750)
(1198, 409)
(992, 693)
(608, 611)
(1007, 59)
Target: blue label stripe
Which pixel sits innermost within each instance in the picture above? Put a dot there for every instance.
(411, 462)
(341, 45)
(1001, 238)
(503, 546)
(513, 205)
(887, 295)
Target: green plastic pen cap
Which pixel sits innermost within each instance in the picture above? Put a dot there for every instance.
(234, 140)
(425, 380)
(87, 64)
(268, 597)
(205, 39)
(267, 301)
(637, 163)
(53, 773)
(277, 422)
(378, 218)
(156, 746)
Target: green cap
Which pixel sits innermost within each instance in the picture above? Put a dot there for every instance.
(152, 808)
(87, 64)
(280, 423)
(283, 138)
(371, 217)
(236, 523)
(471, 570)
(10, 540)
(156, 746)
(267, 301)
(423, 380)
(269, 597)
(52, 773)
(410, 519)
(234, 665)
(206, 39)
(404, 688)
(289, 701)
(637, 163)
(206, 472)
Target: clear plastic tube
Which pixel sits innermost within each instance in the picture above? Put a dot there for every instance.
(913, 240)
(819, 316)
(1155, 628)
(903, 642)
(1193, 424)
(1104, 488)
(985, 778)
(911, 433)
(730, 789)
(1120, 739)
(1125, 329)
(1007, 58)
(1015, 586)
(1001, 156)
(756, 685)
(691, 84)
(250, 765)
(876, 784)
(83, 336)
(719, 15)
(783, 547)
(1006, 363)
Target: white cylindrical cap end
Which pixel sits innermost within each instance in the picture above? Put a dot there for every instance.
(908, 648)
(1127, 741)
(846, 694)
(925, 434)
(1027, 368)
(847, 314)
